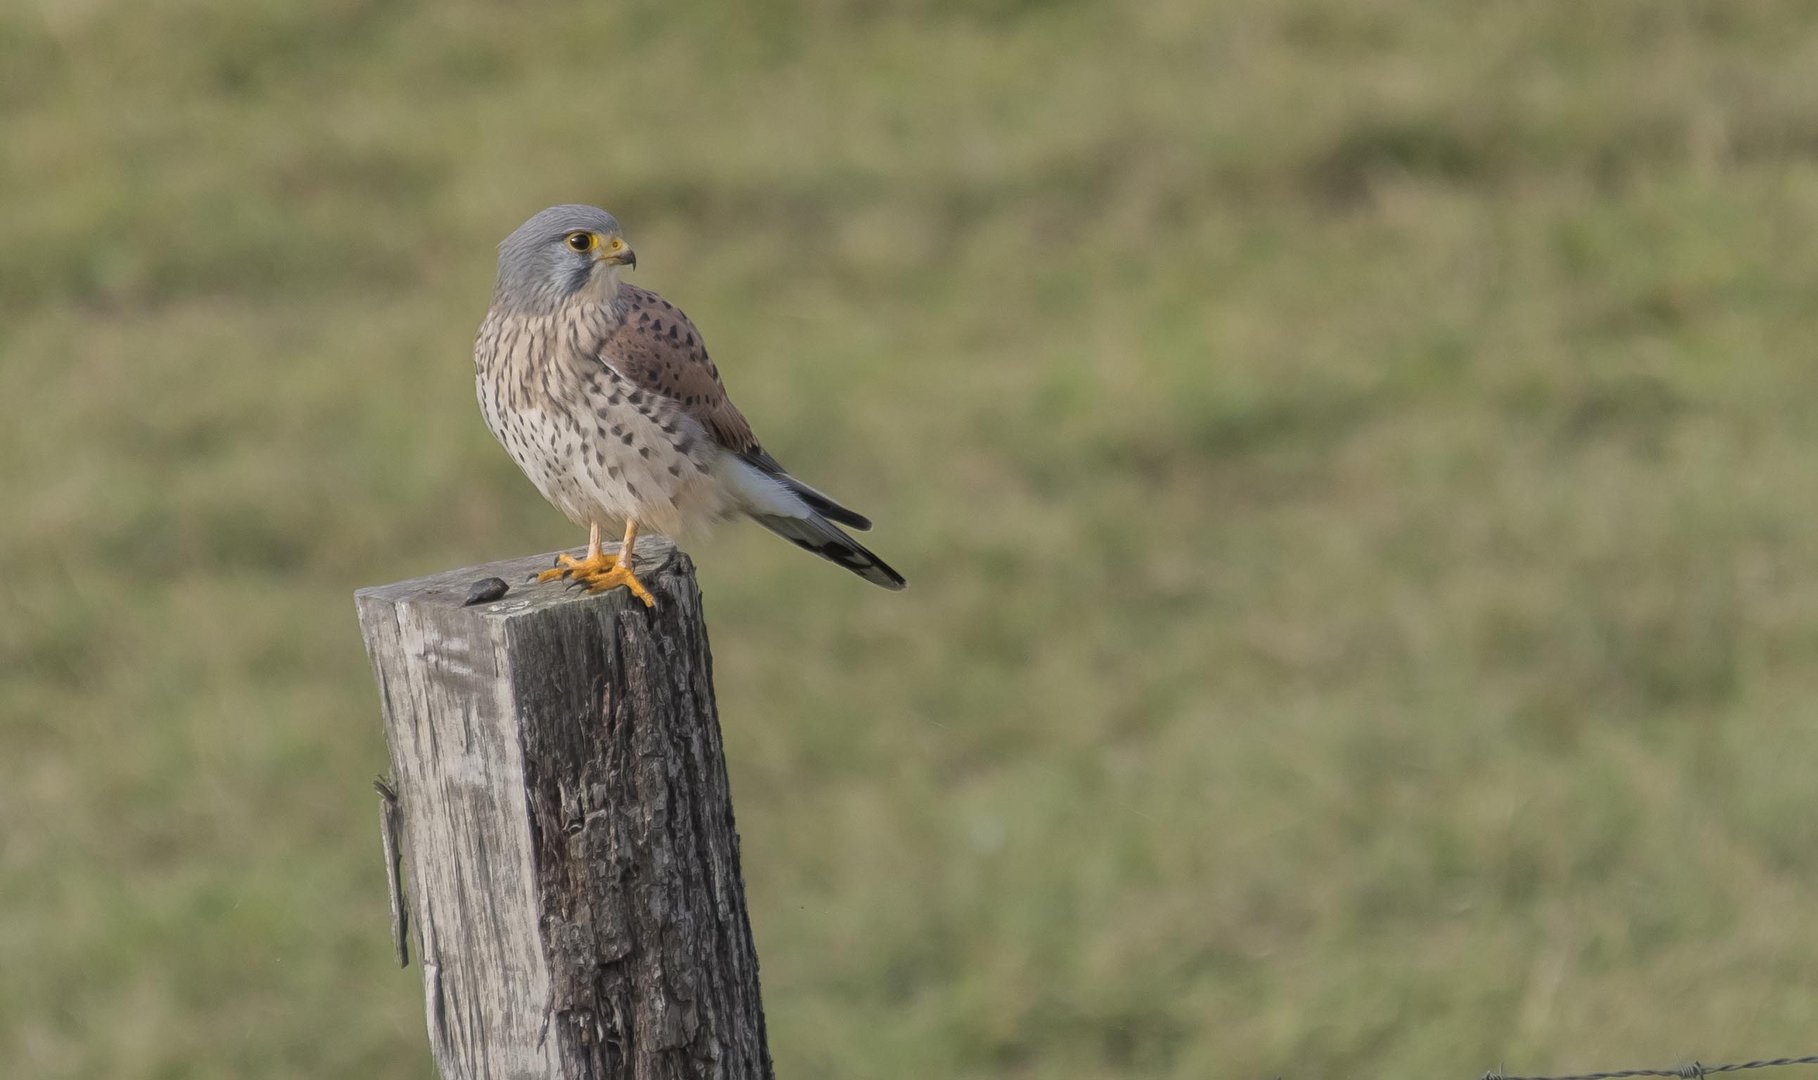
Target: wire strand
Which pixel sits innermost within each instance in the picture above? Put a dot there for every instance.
(1692, 1070)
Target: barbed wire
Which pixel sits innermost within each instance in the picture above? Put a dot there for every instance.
(1691, 1071)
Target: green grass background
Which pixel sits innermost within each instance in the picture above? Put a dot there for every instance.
(1356, 463)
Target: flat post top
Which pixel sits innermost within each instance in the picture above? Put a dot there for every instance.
(658, 563)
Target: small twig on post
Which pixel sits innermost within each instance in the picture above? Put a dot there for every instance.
(394, 874)
(574, 868)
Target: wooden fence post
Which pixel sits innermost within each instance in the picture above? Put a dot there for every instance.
(573, 868)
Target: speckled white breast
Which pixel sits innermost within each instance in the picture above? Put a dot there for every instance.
(599, 449)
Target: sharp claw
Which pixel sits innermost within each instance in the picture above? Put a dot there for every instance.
(599, 573)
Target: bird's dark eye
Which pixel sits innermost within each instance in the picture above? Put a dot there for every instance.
(581, 241)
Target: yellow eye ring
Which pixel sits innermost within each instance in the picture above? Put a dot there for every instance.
(581, 242)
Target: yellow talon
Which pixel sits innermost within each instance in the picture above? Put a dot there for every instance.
(565, 565)
(598, 571)
(612, 576)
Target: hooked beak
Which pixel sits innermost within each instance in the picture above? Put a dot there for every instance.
(622, 257)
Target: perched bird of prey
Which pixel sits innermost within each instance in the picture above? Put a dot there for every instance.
(603, 394)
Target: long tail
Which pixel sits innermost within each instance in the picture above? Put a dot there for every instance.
(818, 501)
(815, 533)
(799, 514)
(825, 506)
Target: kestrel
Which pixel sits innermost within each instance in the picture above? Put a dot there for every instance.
(603, 394)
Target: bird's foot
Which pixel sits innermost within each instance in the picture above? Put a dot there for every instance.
(597, 573)
(565, 565)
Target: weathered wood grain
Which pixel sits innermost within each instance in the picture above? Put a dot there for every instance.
(573, 862)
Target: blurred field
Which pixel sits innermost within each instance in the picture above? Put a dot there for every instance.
(1356, 463)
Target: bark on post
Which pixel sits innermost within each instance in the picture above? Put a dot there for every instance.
(573, 866)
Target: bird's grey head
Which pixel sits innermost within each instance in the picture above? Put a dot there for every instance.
(558, 253)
